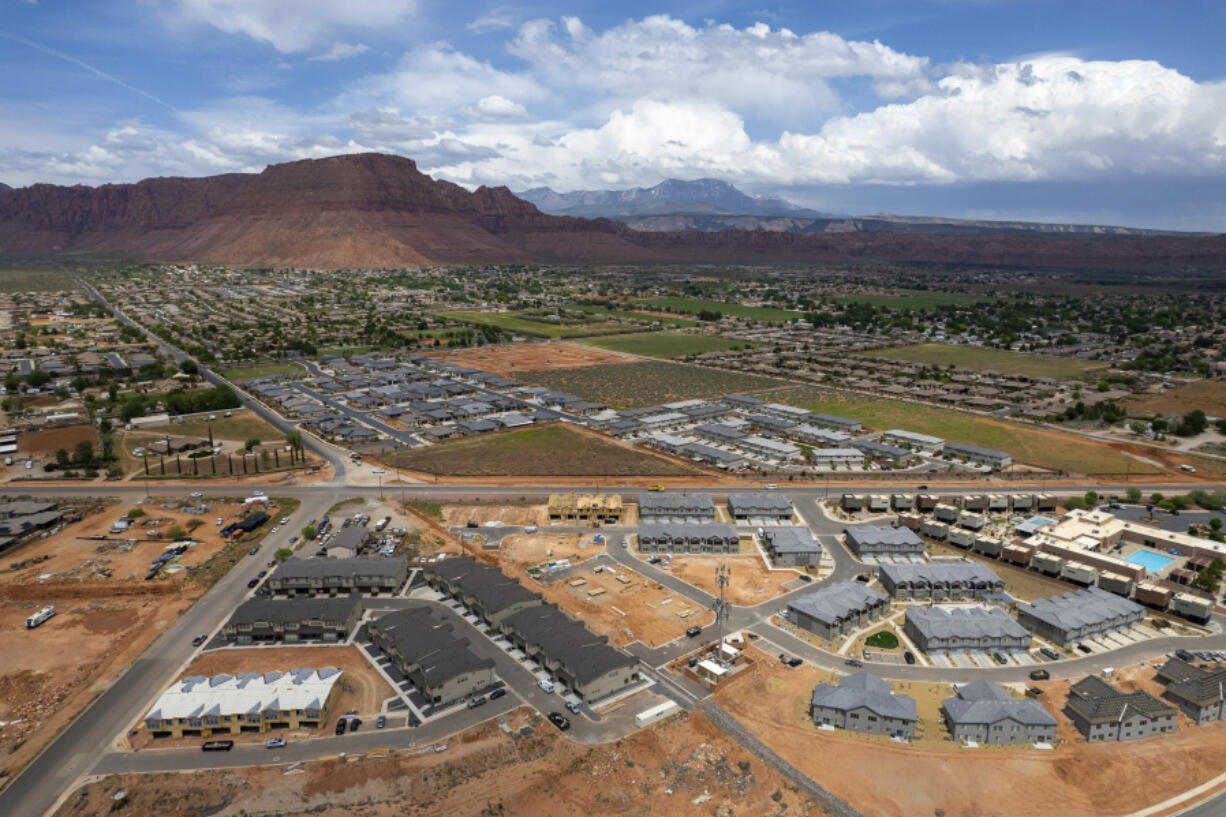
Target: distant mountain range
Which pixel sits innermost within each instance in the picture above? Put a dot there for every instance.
(669, 197)
(363, 211)
(710, 205)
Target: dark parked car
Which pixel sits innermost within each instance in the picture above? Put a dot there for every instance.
(354, 723)
(805, 577)
(693, 631)
(200, 639)
(253, 582)
(1034, 691)
(1184, 655)
(1000, 658)
(922, 488)
(1084, 649)
(340, 726)
(262, 574)
(753, 636)
(381, 722)
(471, 524)
(254, 550)
(1050, 653)
(1039, 675)
(496, 694)
(854, 662)
(559, 720)
(909, 657)
(795, 662)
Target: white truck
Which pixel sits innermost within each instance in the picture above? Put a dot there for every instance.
(40, 617)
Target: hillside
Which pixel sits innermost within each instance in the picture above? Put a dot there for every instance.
(671, 196)
(375, 210)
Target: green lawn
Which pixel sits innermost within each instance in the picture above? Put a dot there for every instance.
(995, 360)
(34, 278)
(664, 320)
(663, 344)
(688, 306)
(242, 425)
(513, 322)
(1029, 445)
(883, 639)
(916, 299)
(543, 451)
(261, 370)
(632, 385)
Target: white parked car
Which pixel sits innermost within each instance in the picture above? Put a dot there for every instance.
(276, 528)
(196, 494)
(377, 471)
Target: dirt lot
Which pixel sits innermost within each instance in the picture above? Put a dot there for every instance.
(363, 689)
(751, 583)
(1206, 395)
(934, 776)
(506, 514)
(626, 606)
(527, 549)
(682, 767)
(51, 672)
(1019, 582)
(43, 443)
(507, 361)
(127, 555)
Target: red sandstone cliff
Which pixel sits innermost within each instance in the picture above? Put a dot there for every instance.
(374, 210)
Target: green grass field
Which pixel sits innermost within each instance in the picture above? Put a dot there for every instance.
(241, 426)
(883, 639)
(512, 322)
(688, 306)
(994, 360)
(1044, 448)
(664, 320)
(916, 299)
(544, 451)
(631, 385)
(34, 278)
(262, 370)
(663, 344)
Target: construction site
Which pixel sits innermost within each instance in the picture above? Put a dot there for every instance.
(624, 605)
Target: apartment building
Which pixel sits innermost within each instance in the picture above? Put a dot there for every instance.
(864, 703)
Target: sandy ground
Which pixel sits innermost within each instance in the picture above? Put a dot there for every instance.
(527, 549)
(935, 776)
(527, 357)
(125, 555)
(42, 443)
(506, 514)
(626, 606)
(750, 582)
(51, 672)
(363, 689)
(681, 767)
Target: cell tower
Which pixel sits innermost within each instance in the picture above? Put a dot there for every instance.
(721, 607)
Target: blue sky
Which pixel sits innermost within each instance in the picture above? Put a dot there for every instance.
(1065, 111)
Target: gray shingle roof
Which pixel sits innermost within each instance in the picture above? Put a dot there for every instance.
(660, 503)
(877, 535)
(388, 567)
(865, 690)
(836, 601)
(1080, 608)
(1098, 702)
(791, 539)
(759, 503)
(278, 611)
(939, 572)
(939, 622)
(982, 702)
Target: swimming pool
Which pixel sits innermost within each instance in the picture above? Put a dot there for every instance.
(1153, 562)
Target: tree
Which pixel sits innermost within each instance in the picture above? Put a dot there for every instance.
(308, 532)
(1134, 494)
(38, 378)
(136, 513)
(252, 443)
(1211, 577)
(1091, 499)
(176, 532)
(1193, 423)
(189, 366)
(85, 452)
(194, 523)
(281, 554)
(61, 457)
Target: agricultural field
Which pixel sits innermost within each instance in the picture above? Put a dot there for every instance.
(631, 385)
(664, 344)
(688, 306)
(262, 370)
(1029, 445)
(241, 426)
(646, 317)
(992, 360)
(1207, 395)
(510, 360)
(513, 322)
(916, 299)
(544, 451)
(34, 278)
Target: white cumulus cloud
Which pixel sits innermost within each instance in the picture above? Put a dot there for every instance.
(340, 51)
(293, 25)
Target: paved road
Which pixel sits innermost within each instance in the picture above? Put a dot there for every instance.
(78, 747)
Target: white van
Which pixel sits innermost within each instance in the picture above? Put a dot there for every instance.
(546, 685)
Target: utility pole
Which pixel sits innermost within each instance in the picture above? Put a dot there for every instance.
(721, 607)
